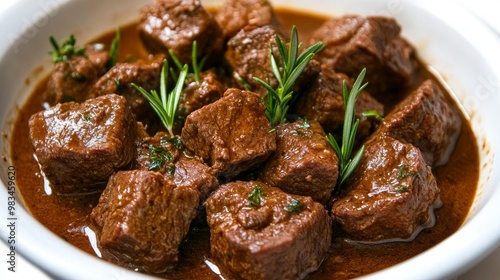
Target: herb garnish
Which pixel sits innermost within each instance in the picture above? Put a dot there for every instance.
(402, 189)
(166, 104)
(196, 67)
(171, 169)
(403, 172)
(293, 65)
(113, 50)
(373, 114)
(246, 85)
(67, 48)
(299, 133)
(254, 197)
(174, 140)
(350, 127)
(158, 156)
(295, 206)
(85, 117)
(305, 123)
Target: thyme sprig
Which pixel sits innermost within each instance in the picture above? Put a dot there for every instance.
(347, 164)
(292, 65)
(67, 48)
(196, 66)
(165, 104)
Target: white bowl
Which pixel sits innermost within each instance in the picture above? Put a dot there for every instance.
(461, 48)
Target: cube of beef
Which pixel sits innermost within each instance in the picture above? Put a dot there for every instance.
(236, 14)
(99, 56)
(144, 73)
(248, 57)
(81, 145)
(355, 42)
(261, 232)
(175, 24)
(323, 101)
(427, 120)
(192, 173)
(72, 80)
(304, 163)
(141, 219)
(209, 89)
(166, 154)
(393, 206)
(232, 134)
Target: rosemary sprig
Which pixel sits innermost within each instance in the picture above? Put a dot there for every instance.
(165, 104)
(113, 50)
(67, 48)
(347, 164)
(196, 67)
(292, 65)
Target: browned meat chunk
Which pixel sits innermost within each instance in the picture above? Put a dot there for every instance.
(192, 173)
(98, 56)
(274, 235)
(174, 25)
(393, 206)
(231, 134)
(72, 80)
(426, 120)
(248, 56)
(236, 14)
(209, 89)
(80, 145)
(355, 42)
(142, 218)
(323, 101)
(166, 154)
(304, 163)
(145, 73)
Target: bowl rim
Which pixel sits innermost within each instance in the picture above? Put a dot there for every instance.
(35, 249)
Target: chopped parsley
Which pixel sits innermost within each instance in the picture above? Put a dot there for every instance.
(403, 173)
(299, 133)
(158, 156)
(86, 117)
(295, 206)
(402, 189)
(305, 123)
(255, 196)
(174, 140)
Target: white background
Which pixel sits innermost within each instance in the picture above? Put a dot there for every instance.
(489, 269)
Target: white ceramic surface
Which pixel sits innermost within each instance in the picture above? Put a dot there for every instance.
(459, 46)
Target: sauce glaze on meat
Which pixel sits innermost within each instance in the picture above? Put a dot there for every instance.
(453, 176)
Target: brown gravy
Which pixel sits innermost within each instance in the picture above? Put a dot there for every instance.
(67, 216)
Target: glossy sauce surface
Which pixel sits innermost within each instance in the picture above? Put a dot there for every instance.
(68, 216)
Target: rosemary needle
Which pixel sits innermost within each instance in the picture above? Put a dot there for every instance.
(347, 164)
(165, 104)
(292, 65)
